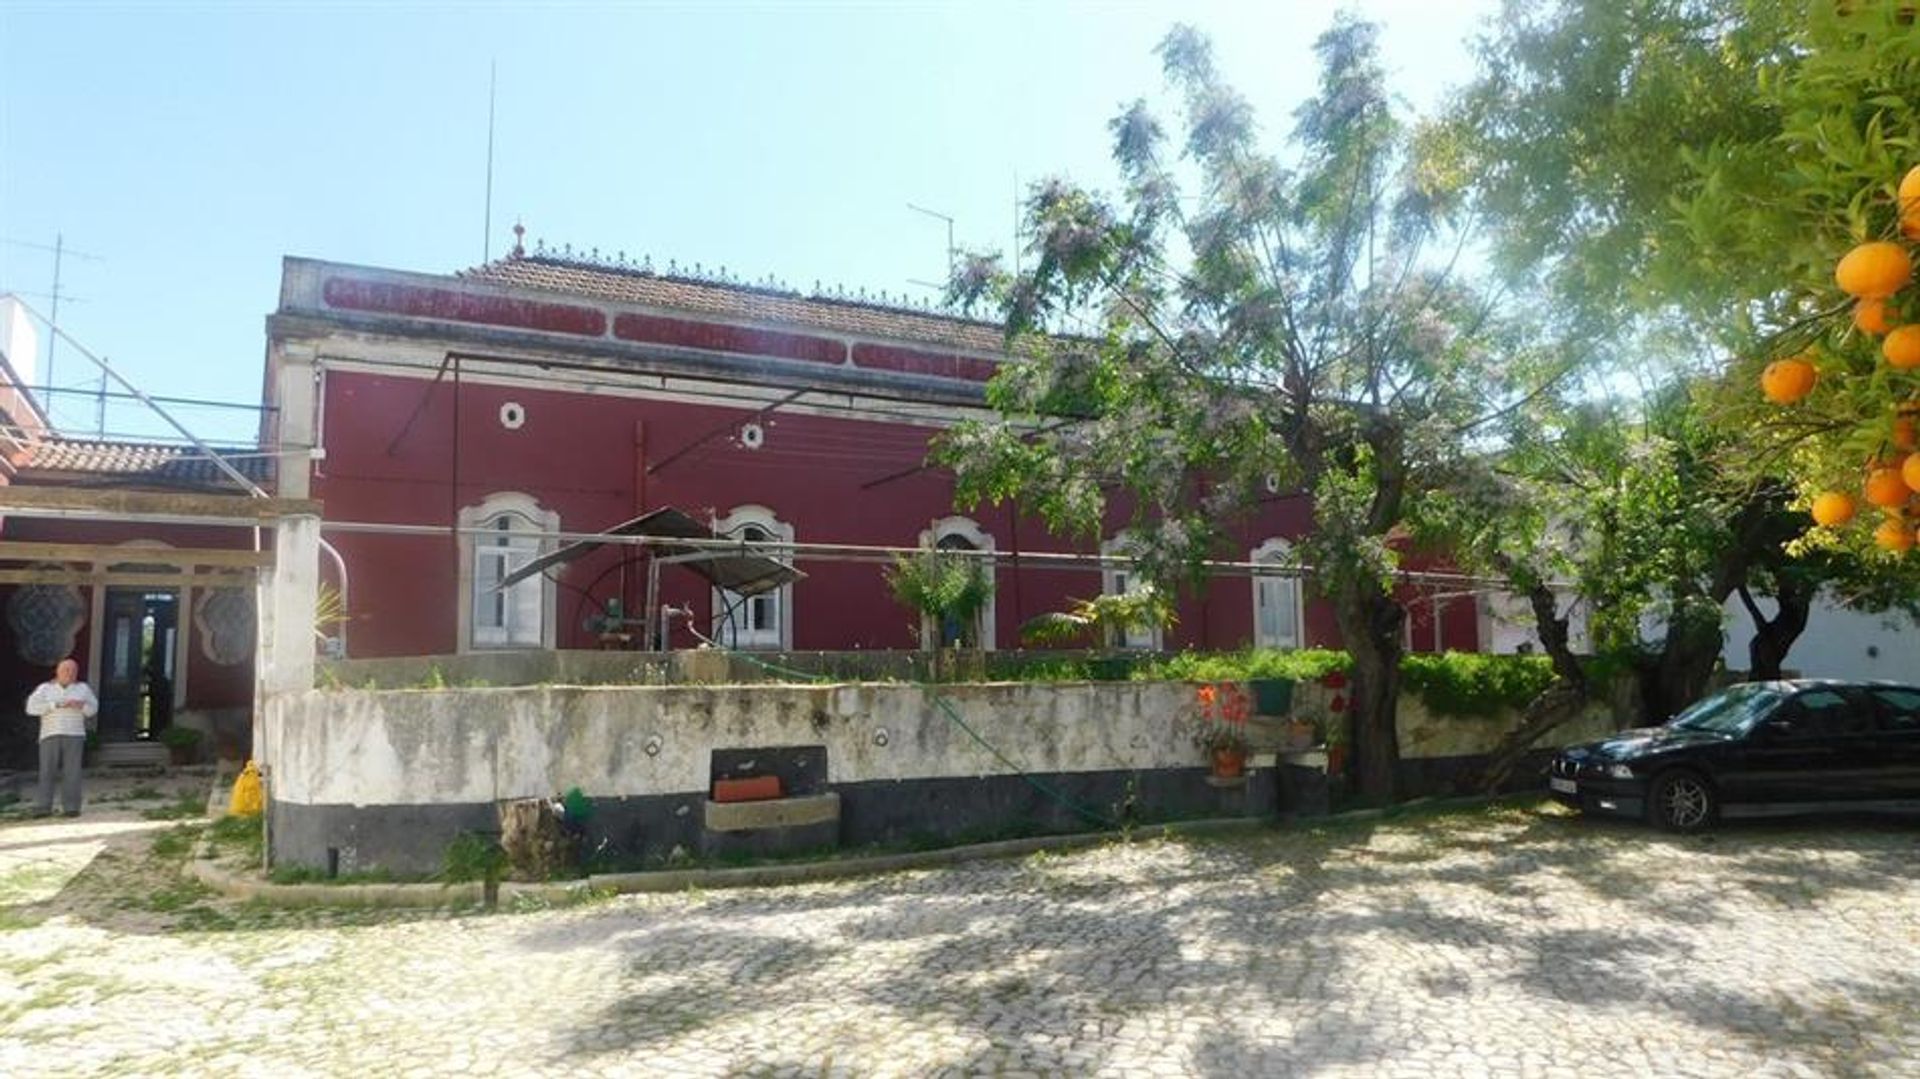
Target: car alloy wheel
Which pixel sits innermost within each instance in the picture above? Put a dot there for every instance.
(1682, 802)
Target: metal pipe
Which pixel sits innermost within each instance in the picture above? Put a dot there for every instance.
(854, 552)
(340, 567)
(233, 473)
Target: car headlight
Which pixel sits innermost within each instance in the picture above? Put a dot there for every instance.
(1620, 771)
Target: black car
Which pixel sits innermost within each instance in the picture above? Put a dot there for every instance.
(1758, 749)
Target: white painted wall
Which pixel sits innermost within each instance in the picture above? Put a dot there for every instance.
(423, 747)
(19, 340)
(1838, 643)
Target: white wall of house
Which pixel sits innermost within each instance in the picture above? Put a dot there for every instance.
(1838, 643)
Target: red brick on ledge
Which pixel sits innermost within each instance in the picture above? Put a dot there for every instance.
(420, 301)
(916, 362)
(754, 789)
(724, 337)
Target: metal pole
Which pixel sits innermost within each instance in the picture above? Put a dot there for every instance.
(53, 322)
(486, 230)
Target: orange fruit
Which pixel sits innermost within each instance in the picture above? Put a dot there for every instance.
(1873, 317)
(1874, 271)
(1787, 381)
(1831, 508)
(1906, 434)
(1894, 535)
(1910, 472)
(1886, 488)
(1902, 347)
(1910, 195)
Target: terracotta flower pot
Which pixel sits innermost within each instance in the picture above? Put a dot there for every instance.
(1229, 761)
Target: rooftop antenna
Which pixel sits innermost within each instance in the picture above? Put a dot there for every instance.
(486, 229)
(60, 251)
(950, 249)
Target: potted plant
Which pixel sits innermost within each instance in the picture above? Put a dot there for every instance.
(949, 589)
(1103, 620)
(1220, 728)
(183, 743)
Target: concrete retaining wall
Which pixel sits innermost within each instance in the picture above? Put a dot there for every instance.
(365, 779)
(362, 779)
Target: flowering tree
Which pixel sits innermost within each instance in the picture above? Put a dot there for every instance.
(1242, 315)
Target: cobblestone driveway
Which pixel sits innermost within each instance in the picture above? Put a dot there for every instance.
(1507, 941)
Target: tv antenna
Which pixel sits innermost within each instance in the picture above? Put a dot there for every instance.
(951, 252)
(61, 252)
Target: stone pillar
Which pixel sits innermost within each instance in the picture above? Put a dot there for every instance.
(295, 387)
(287, 596)
(296, 593)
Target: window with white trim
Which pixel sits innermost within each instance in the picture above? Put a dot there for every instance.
(762, 621)
(1118, 580)
(509, 535)
(1276, 599)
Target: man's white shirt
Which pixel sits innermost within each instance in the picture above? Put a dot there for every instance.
(63, 709)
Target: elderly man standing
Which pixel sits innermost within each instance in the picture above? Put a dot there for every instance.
(66, 707)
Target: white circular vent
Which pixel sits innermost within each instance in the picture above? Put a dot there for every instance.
(512, 415)
(1273, 483)
(752, 436)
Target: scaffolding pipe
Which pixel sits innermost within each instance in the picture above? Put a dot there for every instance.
(856, 552)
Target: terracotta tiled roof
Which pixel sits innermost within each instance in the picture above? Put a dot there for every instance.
(138, 464)
(625, 283)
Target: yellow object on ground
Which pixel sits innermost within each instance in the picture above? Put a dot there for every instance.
(247, 800)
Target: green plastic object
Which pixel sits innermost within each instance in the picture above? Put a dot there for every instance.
(1271, 696)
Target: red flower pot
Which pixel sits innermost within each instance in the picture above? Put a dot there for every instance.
(1229, 762)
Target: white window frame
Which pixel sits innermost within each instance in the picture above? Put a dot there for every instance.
(542, 520)
(1117, 581)
(1277, 550)
(780, 639)
(968, 529)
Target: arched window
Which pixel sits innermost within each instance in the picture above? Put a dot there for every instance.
(763, 621)
(960, 534)
(1118, 580)
(1276, 599)
(520, 616)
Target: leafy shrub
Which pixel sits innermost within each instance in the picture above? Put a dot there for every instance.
(1474, 684)
(1301, 665)
(472, 856)
(943, 585)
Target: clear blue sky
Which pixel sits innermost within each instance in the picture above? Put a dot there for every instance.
(190, 147)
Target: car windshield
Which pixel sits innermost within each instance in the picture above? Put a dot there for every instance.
(1732, 711)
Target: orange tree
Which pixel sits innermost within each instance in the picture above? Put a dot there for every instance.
(1683, 178)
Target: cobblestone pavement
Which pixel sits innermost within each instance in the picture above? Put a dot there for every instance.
(1508, 941)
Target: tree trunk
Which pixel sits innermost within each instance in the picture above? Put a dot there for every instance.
(1561, 701)
(1677, 675)
(1372, 624)
(1773, 638)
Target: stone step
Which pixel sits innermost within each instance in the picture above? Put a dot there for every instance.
(132, 755)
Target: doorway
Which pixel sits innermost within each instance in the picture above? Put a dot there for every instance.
(137, 675)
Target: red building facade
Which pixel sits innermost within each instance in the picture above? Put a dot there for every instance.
(540, 395)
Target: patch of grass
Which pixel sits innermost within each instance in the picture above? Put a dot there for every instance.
(186, 805)
(177, 896)
(238, 837)
(579, 897)
(11, 919)
(201, 919)
(307, 874)
(175, 843)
